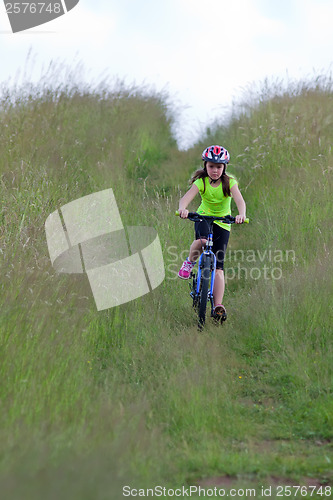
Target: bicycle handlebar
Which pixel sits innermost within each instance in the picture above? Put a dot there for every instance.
(227, 219)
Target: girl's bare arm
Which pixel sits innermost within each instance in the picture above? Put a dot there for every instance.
(239, 200)
(186, 200)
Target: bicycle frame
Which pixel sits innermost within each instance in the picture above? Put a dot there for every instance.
(201, 289)
(208, 252)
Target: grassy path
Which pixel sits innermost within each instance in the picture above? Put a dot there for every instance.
(91, 401)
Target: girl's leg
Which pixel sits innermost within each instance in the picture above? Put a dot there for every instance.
(188, 264)
(219, 286)
(220, 243)
(201, 231)
(196, 249)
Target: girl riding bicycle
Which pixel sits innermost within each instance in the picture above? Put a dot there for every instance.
(216, 189)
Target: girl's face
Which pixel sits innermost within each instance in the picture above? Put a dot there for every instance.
(214, 170)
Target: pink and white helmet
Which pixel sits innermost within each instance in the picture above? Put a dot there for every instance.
(216, 154)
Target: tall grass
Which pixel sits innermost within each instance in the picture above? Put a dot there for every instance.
(91, 401)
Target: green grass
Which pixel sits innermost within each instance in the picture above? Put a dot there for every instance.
(91, 401)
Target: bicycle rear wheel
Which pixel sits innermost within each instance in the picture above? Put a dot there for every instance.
(203, 292)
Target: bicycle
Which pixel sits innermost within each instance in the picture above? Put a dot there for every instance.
(201, 290)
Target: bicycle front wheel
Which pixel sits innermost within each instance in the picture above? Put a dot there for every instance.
(204, 286)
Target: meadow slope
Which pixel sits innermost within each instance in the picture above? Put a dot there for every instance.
(135, 395)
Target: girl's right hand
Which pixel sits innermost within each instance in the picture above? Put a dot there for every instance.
(183, 213)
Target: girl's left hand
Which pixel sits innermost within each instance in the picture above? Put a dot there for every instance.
(240, 219)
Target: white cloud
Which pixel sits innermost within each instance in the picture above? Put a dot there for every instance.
(203, 51)
(81, 34)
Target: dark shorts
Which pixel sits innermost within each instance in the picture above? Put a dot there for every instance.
(220, 240)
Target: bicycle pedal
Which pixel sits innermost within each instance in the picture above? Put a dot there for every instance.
(218, 318)
(215, 321)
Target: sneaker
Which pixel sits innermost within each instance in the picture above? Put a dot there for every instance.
(186, 269)
(220, 312)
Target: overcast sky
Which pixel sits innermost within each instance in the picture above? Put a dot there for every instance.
(203, 52)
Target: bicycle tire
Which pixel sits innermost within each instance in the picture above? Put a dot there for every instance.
(193, 292)
(203, 293)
